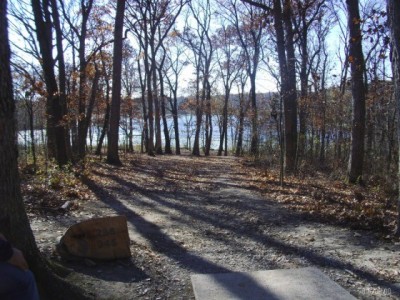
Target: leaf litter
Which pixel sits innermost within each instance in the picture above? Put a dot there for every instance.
(192, 215)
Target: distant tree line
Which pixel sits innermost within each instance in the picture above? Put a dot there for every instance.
(335, 103)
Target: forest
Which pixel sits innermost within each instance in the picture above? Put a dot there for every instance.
(304, 93)
(199, 66)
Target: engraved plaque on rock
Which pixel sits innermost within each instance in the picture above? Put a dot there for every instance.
(99, 238)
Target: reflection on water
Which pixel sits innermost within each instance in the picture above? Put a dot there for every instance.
(186, 133)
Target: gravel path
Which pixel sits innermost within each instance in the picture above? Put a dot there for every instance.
(205, 215)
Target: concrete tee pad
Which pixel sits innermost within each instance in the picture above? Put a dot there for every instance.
(304, 283)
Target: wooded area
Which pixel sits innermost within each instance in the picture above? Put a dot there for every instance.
(73, 93)
(93, 77)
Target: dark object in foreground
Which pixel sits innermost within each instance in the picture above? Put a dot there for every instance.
(100, 238)
(16, 280)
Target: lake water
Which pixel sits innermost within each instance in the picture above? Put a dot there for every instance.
(186, 133)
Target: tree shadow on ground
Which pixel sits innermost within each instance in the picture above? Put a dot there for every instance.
(121, 270)
(163, 243)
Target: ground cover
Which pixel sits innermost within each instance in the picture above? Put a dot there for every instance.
(190, 215)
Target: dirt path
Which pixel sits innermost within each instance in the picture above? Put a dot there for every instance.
(204, 215)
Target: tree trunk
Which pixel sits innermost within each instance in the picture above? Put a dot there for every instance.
(130, 134)
(61, 75)
(224, 123)
(82, 97)
(290, 98)
(145, 132)
(208, 127)
(303, 86)
(156, 99)
(324, 145)
(55, 127)
(29, 108)
(173, 103)
(164, 118)
(150, 100)
(394, 17)
(163, 110)
(196, 144)
(254, 114)
(165, 127)
(93, 94)
(288, 81)
(13, 219)
(356, 59)
(199, 115)
(176, 122)
(242, 112)
(106, 120)
(112, 154)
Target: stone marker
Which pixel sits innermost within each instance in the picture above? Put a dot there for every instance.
(99, 238)
(304, 283)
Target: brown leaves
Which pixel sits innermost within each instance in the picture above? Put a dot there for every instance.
(333, 201)
(49, 192)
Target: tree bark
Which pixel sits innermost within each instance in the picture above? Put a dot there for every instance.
(208, 123)
(145, 131)
(280, 41)
(92, 99)
(394, 17)
(113, 134)
(173, 99)
(254, 113)
(290, 96)
(251, 46)
(224, 123)
(14, 222)
(303, 85)
(62, 78)
(82, 117)
(243, 107)
(55, 125)
(356, 59)
(156, 99)
(163, 110)
(150, 100)
(174, 109)
(199, 114)
(107, 113)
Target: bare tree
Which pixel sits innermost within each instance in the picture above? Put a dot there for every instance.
(113, 134)
(56, 129)
(244, 104)
(230, 63)
(129, 84)
(248, 21)
(151, 21)
(160, 69)
(356, 59)
(287, 69)
(172, 70)
(307, 13)
(197, 37)
(106, 79)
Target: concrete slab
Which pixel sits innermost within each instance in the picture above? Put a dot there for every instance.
(304, 283)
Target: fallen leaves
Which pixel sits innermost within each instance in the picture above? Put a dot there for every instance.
(332, 200)
(55, 191)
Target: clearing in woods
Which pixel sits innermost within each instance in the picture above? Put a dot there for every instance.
(189, 215)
